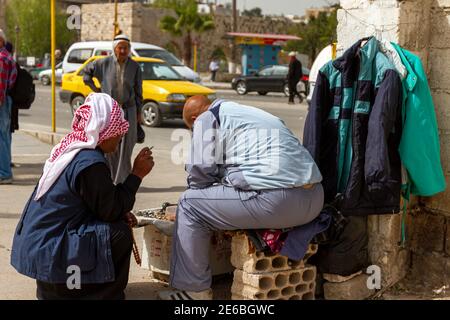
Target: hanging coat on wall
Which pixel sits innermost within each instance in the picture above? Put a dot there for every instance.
(419, 146)
(353, 130)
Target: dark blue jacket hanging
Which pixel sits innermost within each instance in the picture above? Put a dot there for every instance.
(353, 130)
(58, 231)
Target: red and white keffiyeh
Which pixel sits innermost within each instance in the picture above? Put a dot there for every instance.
(98, 119)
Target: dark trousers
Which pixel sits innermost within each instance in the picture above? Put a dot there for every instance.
(121, 247)
(213, 76)
(293, 92)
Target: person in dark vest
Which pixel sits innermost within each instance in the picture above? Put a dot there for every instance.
(294, 75)
(73, 236)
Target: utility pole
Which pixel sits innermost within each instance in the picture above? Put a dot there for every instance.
(17, 29)
(233, 45)
(116, 22)
(53, 48)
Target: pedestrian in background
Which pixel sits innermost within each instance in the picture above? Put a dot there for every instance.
(14, 108)
(214, 67)
(8, 74)
(121, 78)
(294, 75)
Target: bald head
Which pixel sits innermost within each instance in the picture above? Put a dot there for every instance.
(193, 108)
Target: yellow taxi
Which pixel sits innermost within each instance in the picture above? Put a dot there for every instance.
(164, 90)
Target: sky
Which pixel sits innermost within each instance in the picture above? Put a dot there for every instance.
(296, 7)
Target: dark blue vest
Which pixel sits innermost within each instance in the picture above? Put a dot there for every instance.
(59, 231)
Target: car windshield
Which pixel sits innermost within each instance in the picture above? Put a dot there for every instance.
(158, 71)
(160, 54)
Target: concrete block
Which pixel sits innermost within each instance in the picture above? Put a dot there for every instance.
(368, 4)
(353, 289)
(157, 248)
(431, 269)
(447, 237)
(281, 279)
(428, 232)
(441, 99)
(394, 265)
(244, 257)
(439, 61)
(295, 284)
(384, 232)
(440, 27)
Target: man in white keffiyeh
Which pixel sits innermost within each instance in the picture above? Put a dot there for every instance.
(91, 126)
(77, 216)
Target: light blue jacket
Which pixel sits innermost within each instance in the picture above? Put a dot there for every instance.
(247, 148)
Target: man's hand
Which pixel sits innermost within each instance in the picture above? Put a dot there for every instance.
(143, 163)
(131, 220)
(139, 118)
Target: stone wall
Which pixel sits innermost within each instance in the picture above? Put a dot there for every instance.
(423, 27)
(141, 23)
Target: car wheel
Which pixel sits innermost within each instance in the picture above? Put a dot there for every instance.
(241, 87)
(76, 102)
(262, 93)
(45, 80)
(151, 114)
(286, 89)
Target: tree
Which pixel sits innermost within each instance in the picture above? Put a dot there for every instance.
(186, 21)
(315, 35)
(254, 13)
(33, 19)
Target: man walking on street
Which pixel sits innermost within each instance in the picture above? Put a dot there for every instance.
(294, 75)
(214, 67)
(121, 78)
(8, 74)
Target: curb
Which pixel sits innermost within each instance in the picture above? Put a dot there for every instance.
(45, 137)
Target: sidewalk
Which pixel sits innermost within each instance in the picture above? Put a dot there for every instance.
(165, 183)
(206, 81)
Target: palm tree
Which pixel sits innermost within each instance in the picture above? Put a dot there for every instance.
(187, 21)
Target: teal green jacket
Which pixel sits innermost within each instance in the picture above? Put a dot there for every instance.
(419, 146)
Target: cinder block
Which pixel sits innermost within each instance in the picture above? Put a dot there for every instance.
(384, 232)
(431, 269)
(294, 284)
(353, 289)
(428, 233)
(447, 238)
(244, 257)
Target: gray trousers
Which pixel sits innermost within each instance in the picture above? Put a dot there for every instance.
(201, 211)
(120, 161)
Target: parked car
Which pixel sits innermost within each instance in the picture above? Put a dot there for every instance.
(79, 52)
(164, 90)
(268, 79)
(45, 77)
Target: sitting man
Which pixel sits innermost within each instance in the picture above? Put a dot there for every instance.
(246, 170)
(73, 237)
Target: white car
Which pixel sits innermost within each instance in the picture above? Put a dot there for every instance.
(45, 77)
(79, 52)
(324, 56)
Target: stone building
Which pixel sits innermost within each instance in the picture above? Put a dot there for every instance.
(423, 27)
(141, 24)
